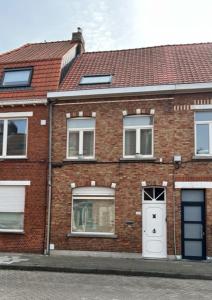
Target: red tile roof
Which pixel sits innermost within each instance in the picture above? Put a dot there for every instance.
(37, 51)
(172, 64)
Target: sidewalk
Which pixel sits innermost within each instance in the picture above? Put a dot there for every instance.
(119, 264)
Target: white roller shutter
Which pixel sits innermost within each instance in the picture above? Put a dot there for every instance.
(12, 198)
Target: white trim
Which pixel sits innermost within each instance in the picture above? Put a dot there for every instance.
(206, 106)
(15, 182)
(22, 102)
(148, 89)
(16, 114)
(12, 230)
(193, 184)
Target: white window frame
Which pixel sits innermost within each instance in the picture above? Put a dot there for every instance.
(138, 137)
(80, 130)
(210, 136)
(93, 196)
(23, 183)
(5, 132)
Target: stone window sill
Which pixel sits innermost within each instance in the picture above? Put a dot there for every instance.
(11, 232)
(138, 159)
(79, 160)
(90, 235)
(202, 158)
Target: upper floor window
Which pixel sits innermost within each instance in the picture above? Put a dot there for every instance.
(203, 133)
(96, 79)
(13, 136)
(17, 77)
(81, 135)
(138, 136)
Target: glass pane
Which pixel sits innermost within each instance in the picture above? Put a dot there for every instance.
(193, 248)
(192, 213)
(93, 216)
(96, 79)
(146, 141)
(130, 142)
(16, 78)
(202, 137)
(193, 195)
(1, 136)
(203, 116)
(11, 221)
(159, 194)
(192, 231)
(148, 193)
(88, 141)
(138, 120)
(16, 137)
(73, 149)
(78, 123)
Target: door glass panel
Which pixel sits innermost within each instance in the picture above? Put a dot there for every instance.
(159, 194)
(192, 213)
(193, 196)
(193, 248)
(148, 193)
(192, 231)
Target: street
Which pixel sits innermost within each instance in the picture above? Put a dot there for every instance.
(46, 285)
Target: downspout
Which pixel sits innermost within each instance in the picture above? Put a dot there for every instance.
(49, 183)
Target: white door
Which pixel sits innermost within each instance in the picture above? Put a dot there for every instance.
(154, 223)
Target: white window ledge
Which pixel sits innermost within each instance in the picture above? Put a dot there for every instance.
(193, 184)
(11, 231)
(196, 157)
(89, 235)
(15, 182)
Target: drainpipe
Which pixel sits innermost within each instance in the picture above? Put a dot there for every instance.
(49, 183)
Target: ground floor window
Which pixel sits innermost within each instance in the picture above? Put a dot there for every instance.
(12, 199)
(93, 210)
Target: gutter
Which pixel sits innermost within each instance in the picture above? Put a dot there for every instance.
(132, 91)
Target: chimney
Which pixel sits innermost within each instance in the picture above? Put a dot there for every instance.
(77, 37)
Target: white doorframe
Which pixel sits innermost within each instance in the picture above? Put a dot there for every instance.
(154, 231)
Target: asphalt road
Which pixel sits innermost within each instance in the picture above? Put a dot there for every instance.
(46, 285)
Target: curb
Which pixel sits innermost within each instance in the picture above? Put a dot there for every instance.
(106, 272)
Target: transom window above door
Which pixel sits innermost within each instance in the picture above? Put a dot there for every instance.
(203, 133)
(154, 194)
(80, 138)
(138, 136)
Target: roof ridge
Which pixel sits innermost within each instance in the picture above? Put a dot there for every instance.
(51, 42)
(14, 50)
(148, 47)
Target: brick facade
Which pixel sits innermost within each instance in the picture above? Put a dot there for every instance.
(173, 134)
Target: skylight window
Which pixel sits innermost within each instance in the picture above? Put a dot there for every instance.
(17, 77)
(96, 79)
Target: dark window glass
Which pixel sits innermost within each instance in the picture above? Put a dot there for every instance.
(73, 143)
(88, 141)
(202, 136)
(16, 137)
(146, 141)
(1, 136)
(130, 142)
(159, 194)
(17, 78)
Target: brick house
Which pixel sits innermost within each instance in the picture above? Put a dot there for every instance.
(26, 75)
(131, 153)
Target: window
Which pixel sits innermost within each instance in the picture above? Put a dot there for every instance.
(96, 79)
(81, 135)
(13, 135)
(12, 200)
(138, 136)
(17, 77)
(154, 194)
(203, 133)
(93, 210)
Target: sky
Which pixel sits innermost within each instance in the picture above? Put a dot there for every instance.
(106, 24)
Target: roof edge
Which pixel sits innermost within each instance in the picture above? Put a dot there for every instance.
(131, 91)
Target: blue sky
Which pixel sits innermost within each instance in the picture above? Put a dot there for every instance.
(107, 24)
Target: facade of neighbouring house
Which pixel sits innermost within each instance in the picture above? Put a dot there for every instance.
(132, 153)
(26, 75)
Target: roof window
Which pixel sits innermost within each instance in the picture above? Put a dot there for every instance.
(96, 79)
(17, 77)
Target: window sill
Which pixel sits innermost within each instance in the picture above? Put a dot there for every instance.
(13, 158)
(90, 235)
(202, 158)
(11, 231)
(81, 160)
(138, 159)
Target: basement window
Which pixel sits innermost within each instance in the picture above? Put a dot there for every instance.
(17, 77)
(96, 79)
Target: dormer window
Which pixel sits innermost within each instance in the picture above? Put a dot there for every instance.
(96, 79)
(17, 77)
